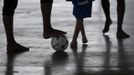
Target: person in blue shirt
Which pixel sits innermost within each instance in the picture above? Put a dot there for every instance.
(81, 9)
(120, 16)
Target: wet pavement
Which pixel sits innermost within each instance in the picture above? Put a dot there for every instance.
(102, 55)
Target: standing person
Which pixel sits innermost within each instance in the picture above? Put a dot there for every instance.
(8, 18)
(8, 13)
(82, 9)
(120, 17)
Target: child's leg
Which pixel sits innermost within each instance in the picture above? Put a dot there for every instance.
(79, 22)
(82, 29)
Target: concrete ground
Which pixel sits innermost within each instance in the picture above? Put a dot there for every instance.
(102, 55)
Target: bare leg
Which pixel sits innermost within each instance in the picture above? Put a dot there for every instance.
(106, 8)
(8, 12)
(120, 13)
(48, 31)
(12, 46)
(79, 23)
(82, 29)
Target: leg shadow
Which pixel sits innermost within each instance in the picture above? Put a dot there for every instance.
(10, 63)
(79, 60)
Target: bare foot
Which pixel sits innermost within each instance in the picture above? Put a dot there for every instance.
(53, 33)
(73, 44)
(107, 25)
(122, 34)
(84, 40)
(15, 47)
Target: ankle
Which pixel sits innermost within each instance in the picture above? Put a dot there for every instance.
(119, 30)
(11, 42)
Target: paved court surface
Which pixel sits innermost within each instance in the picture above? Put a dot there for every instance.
(102, 55)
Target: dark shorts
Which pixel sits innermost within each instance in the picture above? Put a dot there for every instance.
(82, 11)
(10, 6)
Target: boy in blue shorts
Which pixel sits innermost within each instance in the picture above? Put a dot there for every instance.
(82, 9)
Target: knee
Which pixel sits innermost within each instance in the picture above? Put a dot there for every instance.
(9, 7)
(46, 1)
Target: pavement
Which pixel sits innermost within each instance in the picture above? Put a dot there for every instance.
(102, 55)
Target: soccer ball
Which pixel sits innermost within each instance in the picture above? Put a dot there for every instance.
(59, 43)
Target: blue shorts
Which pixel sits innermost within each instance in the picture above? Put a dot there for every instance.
(82, 11)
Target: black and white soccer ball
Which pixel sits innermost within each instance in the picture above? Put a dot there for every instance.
(59, 43)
